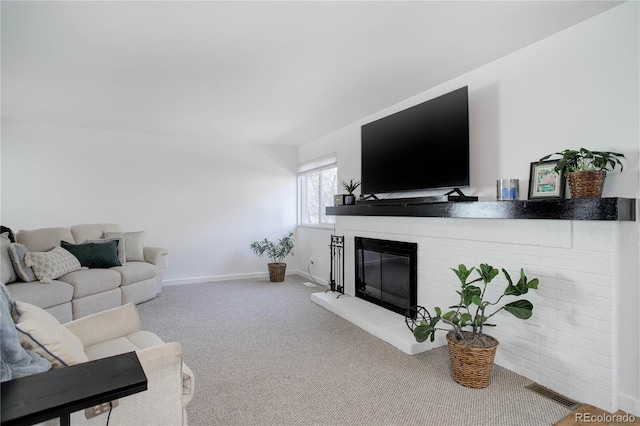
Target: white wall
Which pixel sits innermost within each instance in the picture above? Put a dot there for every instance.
(203, 200)
(578, 88)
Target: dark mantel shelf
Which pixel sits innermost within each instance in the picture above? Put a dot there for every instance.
(613, 209)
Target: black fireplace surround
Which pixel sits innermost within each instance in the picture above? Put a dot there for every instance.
(386, 273)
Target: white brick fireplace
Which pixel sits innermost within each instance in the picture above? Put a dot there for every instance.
(572, 344)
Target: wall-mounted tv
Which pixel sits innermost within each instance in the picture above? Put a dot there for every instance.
(422, 147)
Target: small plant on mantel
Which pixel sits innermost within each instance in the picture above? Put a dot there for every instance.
(350, 187)
(583, 159)
(472, 352)
(586, 170)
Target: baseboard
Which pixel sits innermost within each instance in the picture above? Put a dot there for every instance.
(230, 277)
(311, 278)
(629, 405)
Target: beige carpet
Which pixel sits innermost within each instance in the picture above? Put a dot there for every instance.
(264, 354)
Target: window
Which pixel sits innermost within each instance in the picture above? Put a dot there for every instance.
(317, 184)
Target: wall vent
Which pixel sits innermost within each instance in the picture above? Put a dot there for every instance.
(554, 396)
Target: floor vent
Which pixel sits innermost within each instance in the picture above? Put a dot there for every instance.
(554, 396)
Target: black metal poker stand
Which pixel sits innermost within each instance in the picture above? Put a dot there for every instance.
(336, 277)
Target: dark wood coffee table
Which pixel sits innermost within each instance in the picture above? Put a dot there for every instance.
(60, 392)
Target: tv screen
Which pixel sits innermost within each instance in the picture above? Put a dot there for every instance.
(423, 147)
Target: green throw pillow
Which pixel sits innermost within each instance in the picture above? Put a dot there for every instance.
(94, 255)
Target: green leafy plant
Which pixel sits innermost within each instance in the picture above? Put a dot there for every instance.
(276, 252)
(583, 159)
(471, 310)
(350, 186)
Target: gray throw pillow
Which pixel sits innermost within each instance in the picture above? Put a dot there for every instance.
(133, 244)
(17, 252)
(7, 274)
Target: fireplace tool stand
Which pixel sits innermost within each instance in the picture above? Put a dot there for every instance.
(336, 277)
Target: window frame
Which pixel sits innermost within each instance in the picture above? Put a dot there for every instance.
(304, 170)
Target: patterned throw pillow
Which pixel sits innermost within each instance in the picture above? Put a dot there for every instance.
(52, 264)
(7, 274)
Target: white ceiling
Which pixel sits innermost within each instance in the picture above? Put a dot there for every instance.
(261, 72)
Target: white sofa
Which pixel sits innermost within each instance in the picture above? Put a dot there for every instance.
(87, 291)
(45, 343)
(170, 382)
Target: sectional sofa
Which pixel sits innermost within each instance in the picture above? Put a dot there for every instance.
(83, 291)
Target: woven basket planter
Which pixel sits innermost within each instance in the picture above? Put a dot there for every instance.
(276, 272)
(471, 367)
(587, 183)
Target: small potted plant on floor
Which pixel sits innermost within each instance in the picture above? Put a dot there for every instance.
(276, 252)
(350, 186)
(586, 170)
(472, 352)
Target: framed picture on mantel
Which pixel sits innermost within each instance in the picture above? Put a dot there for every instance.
(545, 182)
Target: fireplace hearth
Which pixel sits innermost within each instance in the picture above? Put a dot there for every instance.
(386, 273)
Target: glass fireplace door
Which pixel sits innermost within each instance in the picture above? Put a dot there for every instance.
(386, 273)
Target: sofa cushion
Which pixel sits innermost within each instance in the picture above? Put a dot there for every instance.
(108, 348)
(44, 296)
(131, 342)
(144, 339)
(17, 252)
(133, 272)
(133, 244)
(120, 243)
(43, 239)
(92, 231)
(40, 332)
(94, 255)
(87, 282)
(7, 274)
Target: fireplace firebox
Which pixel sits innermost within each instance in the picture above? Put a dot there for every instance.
(386, 273)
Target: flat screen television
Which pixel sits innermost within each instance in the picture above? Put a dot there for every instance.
(420, 148)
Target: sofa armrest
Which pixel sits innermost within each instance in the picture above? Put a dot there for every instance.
(154, 254)
(161, 403)
(188, 384)
(106, 325)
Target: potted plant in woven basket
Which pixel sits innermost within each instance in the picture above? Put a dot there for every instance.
(586, 170)
(472, 352)
(276, 252)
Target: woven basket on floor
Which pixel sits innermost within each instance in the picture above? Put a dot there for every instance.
(471, 367)
(587, 183)
(276, 272)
